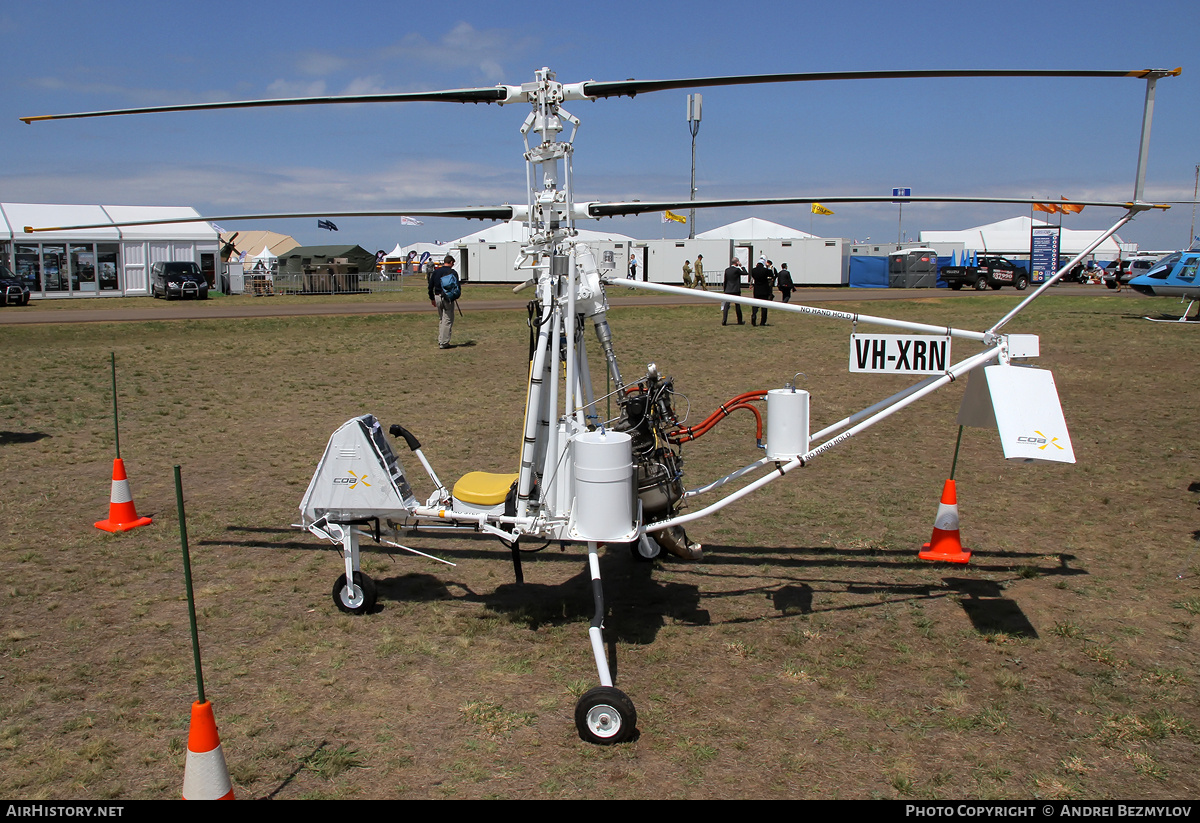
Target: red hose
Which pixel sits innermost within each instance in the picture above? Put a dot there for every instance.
(742, 401)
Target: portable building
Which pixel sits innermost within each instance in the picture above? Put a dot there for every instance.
(491, 255)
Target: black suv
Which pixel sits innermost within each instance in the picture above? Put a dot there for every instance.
(15, 290)
(178, 280)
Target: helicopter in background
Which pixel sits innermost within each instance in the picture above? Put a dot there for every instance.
(586, 480)
(1172, 276)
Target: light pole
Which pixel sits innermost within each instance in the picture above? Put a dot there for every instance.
(1191, 233)
(693, 119)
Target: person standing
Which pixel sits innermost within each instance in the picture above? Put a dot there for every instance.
(632, 267)
(444, 291)
(687, 274)
(701, 283)
(733, 285)
(785, 283)
(761, 277)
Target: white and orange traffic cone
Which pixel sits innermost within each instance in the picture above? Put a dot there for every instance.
(205, 775)
(945, 544)
(122, 514)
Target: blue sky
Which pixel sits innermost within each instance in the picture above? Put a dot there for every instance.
(956, 137)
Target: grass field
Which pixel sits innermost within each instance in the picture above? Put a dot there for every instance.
(810, 654)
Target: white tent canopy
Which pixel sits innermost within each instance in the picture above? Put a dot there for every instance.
(438, 250)
(753, 228)
(513, 231)
(1012, 236)
(14, 217)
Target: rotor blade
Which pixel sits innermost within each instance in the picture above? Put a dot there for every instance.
(619, 209)
(630, 88)
(470, 212)
(494, 94)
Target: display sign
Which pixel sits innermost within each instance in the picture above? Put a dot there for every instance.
(1043, 253)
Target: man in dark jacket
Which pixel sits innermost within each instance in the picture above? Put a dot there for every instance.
(733, 285)
(761, 276)
(785, 283)
(444, 303)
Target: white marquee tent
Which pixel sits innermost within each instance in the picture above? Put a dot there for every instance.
(1012, 237)
(753, 228)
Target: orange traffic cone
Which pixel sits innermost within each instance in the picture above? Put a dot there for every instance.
(205, 775)
(122, 514)
(945, 544)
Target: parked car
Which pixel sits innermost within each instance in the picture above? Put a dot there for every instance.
(992, 272)
(15, 289)
(1121, 272)
(178, 280)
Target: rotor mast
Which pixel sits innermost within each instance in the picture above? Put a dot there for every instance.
(548, 169)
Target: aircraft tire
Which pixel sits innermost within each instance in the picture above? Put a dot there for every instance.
(359, 600)
(605, 716)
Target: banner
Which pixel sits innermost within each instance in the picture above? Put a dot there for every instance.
(817, 208)
(668, 217)
(409, 221)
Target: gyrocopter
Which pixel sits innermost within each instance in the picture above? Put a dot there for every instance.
(583, 479)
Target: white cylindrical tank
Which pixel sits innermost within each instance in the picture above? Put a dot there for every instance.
(604, 488)
(787, 423)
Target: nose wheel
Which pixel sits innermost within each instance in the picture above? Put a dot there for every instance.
(605, 716)
(356, 599)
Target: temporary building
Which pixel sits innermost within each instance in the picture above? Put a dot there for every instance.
(490, 255)
(252, 242)
(100, 262)
(812, 260)
(1012, 237)
(753, 228)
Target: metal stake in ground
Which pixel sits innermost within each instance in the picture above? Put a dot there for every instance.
(116, 430)
(122, 513)
(205, 775)
(187, 582)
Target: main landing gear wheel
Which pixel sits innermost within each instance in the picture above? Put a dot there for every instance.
(356, 599)
(605, 716)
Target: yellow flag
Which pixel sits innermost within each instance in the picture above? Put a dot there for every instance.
(817, 208)
(669, 217)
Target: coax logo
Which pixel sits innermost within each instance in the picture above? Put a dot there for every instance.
(1041, 441)
(352, 481)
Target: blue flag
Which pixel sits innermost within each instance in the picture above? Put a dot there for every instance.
(326, 224)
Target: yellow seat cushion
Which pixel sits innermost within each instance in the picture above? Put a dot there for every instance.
(483, 488)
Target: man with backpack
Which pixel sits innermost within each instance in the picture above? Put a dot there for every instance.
(444, 291)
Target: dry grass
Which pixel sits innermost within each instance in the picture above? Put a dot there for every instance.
(809, 655)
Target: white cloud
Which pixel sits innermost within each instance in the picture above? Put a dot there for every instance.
(365, 85)
(464, 47)
(290, 88)
(231, 189)
(321, 63)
